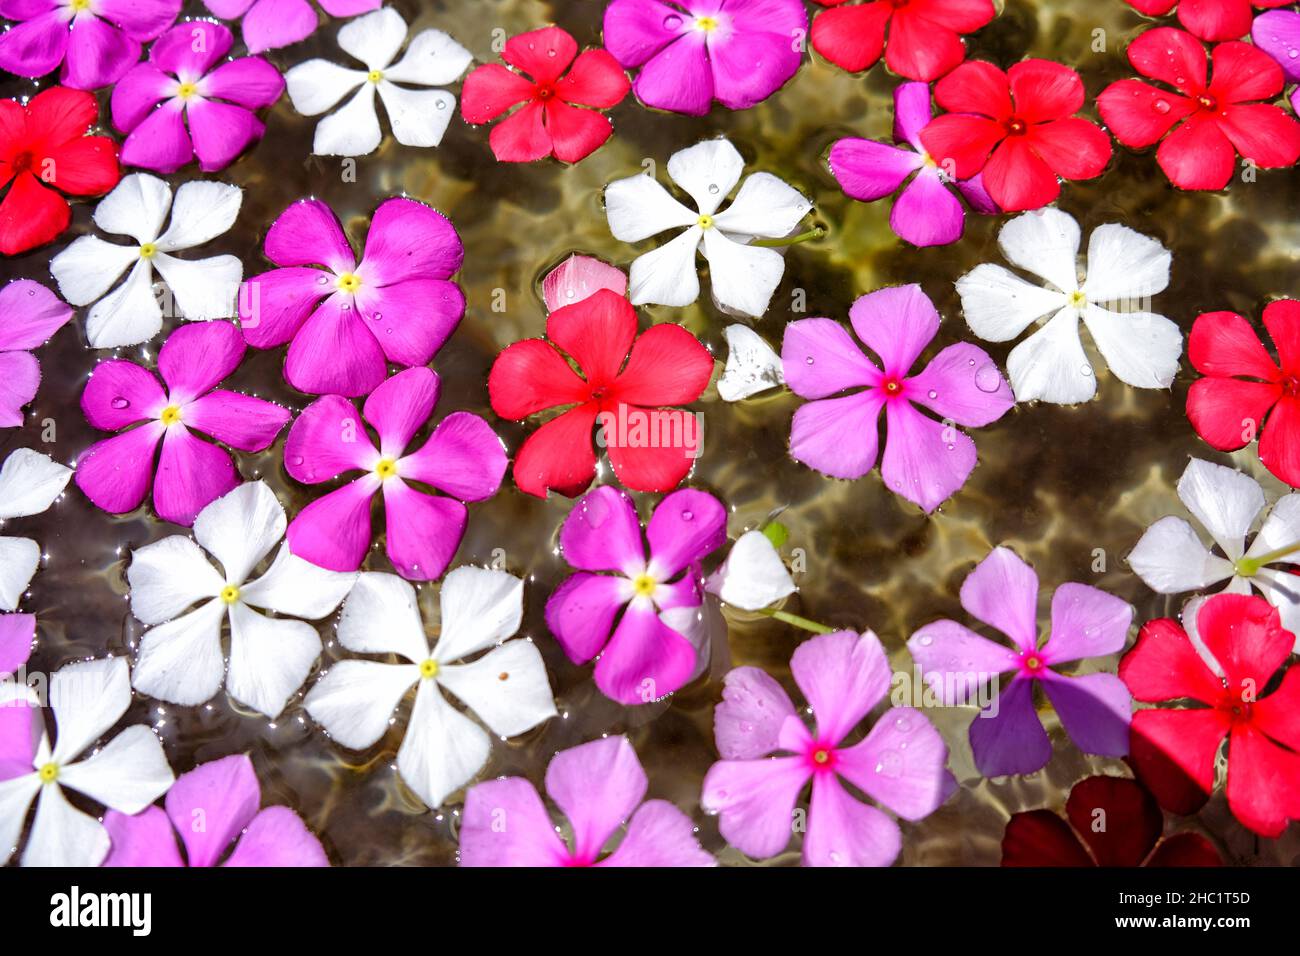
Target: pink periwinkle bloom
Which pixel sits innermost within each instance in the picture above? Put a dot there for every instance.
(96, 41)
(345, 321)
(927, 213)
(123, 397)
(900, 763)
(641, 657)
(597, 786)
(463, 458)
(692, 52)
(226, 796)
(29, 315)
(181, 83)
(1007, 737)
(926, 460)
(271, 24)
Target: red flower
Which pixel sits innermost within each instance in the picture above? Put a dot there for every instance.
(666, 366)
(1123, 833)
(1219, 120)
(1242, 385)
(44, 144)
(550, 124)
(924, 35)
(1018, 128)
(1209, 19)
(1174, 748)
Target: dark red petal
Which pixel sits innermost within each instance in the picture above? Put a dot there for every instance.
(490, 90)
(667, 366)
(961, 142)
(1263, 782)
(1118, 819)
(58, 115)
(1279, 445)
(595, 80)
(597, 332)
(1197, 155)
(1173, 752)
(521, 137)
(976, 87)
(852, 38)
(1150, 55)
(1164, 665)
(1185, 849)
(31, 215)
(559, 456)
(530, 376)
(1041, 838)
(920, 49)
(658, 463)
(1043, 90)
(543, 54)
(1228, 412)
(1073, 148)
(1224, 343)
(86, 166)
(1018, 179)
(576, 133)
(1139, 114)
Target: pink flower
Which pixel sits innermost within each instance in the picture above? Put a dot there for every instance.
(462, 458)
(345, 322)
(900, 763)
(115, 473)
(270, 24)
(226, 794)
(217, 103)
(30, 314)
(597, 786)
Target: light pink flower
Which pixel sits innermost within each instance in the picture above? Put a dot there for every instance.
(29, 315)
(270, 24)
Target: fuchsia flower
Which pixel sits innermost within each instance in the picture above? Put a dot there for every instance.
(597, 786)
(271, 24)
(900, 762)
(31, 314)
(462, 458)
(645, 655)
(226, 795)
(345, 322)
(1007, 736)
(925, 460)
(217, 102)
(115, 473)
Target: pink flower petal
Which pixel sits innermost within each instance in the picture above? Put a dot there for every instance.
(580, 613)
(842, 676)
(35, 47)
(424, 531)
(1002, 592)
(333, 532)
(146, 839)
(678, 78)
(327, 439)
(528, 840)
(140, 19)
(901, 764)
(844, 831)
(1086, 622)
(274, 305)
(221, 132)
(32, 313)
(197, 356)
(754, 800)
(645, 659)
(925, 461)
(136, 94)
(250, 82)
(820, 358)
(277, 837)
(838, 436)
(659, 835)
(161, 142)
(896, 323)
(747, 724)
(463, 458)
(412, 318)
(963, 384)
(580, 277)
(1013, 740)
(115, 473)
(635, 30)
(224, 795)
(349, 8)
(191, 475)
(596, 785)
(603, 533)
(20, 377)
(334, 353)
(240, 421)
(927, 213)
(20, 730)
(228, 9)
(271, 24)
(191, 49)
(1095, 710)
(936, 646)
(17, 631)
(98, 54)
(308, 233)
(752, 64)
(867, 170)
(409, 240)
(687, 526)
(912, 112)
(400, 407)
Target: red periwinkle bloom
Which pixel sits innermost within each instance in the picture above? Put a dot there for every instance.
(924, 35)
(1209, 19)
(1018, 128)
(1214, 120)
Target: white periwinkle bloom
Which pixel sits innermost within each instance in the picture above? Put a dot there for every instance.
(419, 117)
(138, 207)
(506, 688)
(743, 276)
(753, 576)
(29, 483)
(126, 774)
(1124, 268)
(270, 657)
(752, 365)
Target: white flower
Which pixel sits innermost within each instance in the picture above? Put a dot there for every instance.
(506, 688)
(127, 774)
(1171, 558)
(137, 207)
(753, 576)
(29, 483)
(418, 117)
(743, 277)
(752, 365)
(1124, 268)
(180, 659)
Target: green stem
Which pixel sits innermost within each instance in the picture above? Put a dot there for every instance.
(797, 621)
(816, 232)
(1250, 566)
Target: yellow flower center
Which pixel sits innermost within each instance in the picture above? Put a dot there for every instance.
(79, 5)
(707, 24)
(429, 669)
(186, 90)
(705, 222)
(644, 585)
(374, 76)
(1079, 300)
(148, 250)
(49, 773)
(230, 594)
(386, 468)
(170, 415)
(349, 282)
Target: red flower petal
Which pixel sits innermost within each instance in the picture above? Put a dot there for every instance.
(1043, 90)
(491, 90)
(522, 136)
(1227, 412)
(31, 215)
(530, 376)
(1262, 133)
(1041, 838)
(1279, 445)
(597, 332)
(1278, 714)
(85, 166)
(1174, 56)
(1244, 633)
(58, 115)
(1152, 8)
(1163, 665)
(667, 366)
(1216, 19)
(1263, 782)
(1224, 343)
(1017, 178)
(1128, 825)
(1173, 752)
(1185, 849)
(1139, 114)
(542, 54)
(961, 142)
(576, 133)
(976, 87)
(1244, 73)
(1197, 155)
(659, 465)
(920, 49)
(1074, 148)
(852, 38)
(962, 16)
(1282, 319)
(559, 456)
(595, 80)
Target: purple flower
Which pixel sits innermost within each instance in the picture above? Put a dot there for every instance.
(31, 314)
(1277, 33)
(692, 52)
(925, 460)
(900, 763)
(1007, 737)
(927, 213)
(597, 786)
(216, 103)
(271, 24)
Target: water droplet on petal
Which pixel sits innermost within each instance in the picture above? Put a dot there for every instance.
(687, 515)
(987, 379)
(120, 402)
(1161, 106)
(933, 394)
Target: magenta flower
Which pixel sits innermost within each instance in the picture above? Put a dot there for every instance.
(31, 314)
(597, 786)
(96, 41)
(925, 460)
(115, 473)
(651, 651)
(345, 322)
(225, 795)
(927, 213)
(271, 24)
(217, 103)
(900, 763)
(1007, 737)
(692, 52)
(462, 458)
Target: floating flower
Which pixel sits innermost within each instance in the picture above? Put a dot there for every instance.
(32, 314)
(1007, 737)
(29, 483)
(551, 123)
(625, 381)
(578, 278)
(1175, 749)
(43, 144)
(1277, 33)
(753, 576)
(126, 774)
(271, 24)
(752, 365)
(345, 322)
(225, 795)
(1215, 121)
(1018, 129)
(926, 461)
(924, 35)
(598, 786)
(17, 632)
(419, 117)
(900, 762)
(463, 458)
(1208, 19)
(743, 276)
(506, 688)
(181, 83)
(1125, 268)
(691, 52)
(180, 659)
(116, 473)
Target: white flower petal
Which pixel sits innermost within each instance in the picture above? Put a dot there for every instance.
(1223, 500)
(1140, 348)
(708, 171)
(88, 697)
(167, 577)
(752, 365)
(16, 796)
(137, 207)
(381, 617)
(128, 315)
(1281, 529)
(202, 211)
(355, 700)
(742, 278)
(480, 607)
(1046, 243)
(127, 774)
(753, 576)
(1050, 365)
(89, 267)
(18, 560)
(375, 38)
(269, 658)
(316, 85)
(443, 749)
(667, 276)
(1189, 614)
(240, 528)
(506, 688)
(999, 305)
(298, 588)
(418, 117)
(639, 207)
(202, 289)
(353, 130)
(1171, 559)
(180, 661)
(62, 835)
(29, 483)
(1124, 265)
(765, 206)
(432, 59)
